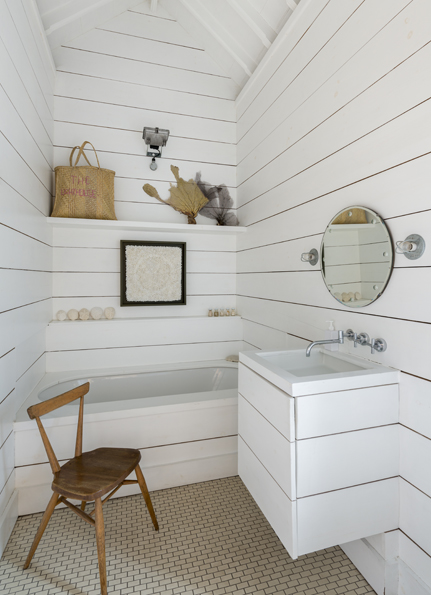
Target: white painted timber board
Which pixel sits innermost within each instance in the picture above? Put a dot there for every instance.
(106, 112)
(144, 428)
(138, 95)
(276, 406)
(272, 501)
(136, 166)
(92, 63)
(345, 515)
(345, 411)
(343, 460)
(415, 510)
(108, 260)
(272, 449)
(98, 334)
(415, 453)
(135, 356)
(415, 404)
(108, 284)
(130, 142)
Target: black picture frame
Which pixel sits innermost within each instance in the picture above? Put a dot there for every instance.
(123, 273)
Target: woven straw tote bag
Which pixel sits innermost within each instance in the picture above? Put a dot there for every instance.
(84, 191)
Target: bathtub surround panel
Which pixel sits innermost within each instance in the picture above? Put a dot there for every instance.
(27, 131)
(333, 121)
(183, 438)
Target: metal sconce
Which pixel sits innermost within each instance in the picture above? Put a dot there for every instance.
(312, 257)
(155, 139)
(413, 246)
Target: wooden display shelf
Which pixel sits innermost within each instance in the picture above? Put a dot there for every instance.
(143, 226)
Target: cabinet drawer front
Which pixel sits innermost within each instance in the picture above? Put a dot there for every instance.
(345, 515)
(331, 413)
(272, 449)
(272, 501)
(345, 460)
(275, 405)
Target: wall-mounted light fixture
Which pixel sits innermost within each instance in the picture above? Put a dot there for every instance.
(413, 246)
(155, 139)
(312, 257)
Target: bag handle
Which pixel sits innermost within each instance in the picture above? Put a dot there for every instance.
(81, 152)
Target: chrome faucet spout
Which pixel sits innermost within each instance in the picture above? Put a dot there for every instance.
(340, 340)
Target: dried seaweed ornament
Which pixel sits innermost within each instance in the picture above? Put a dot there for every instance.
(219, 202)
(186, 197)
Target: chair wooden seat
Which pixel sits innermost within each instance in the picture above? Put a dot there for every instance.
(87, 477)
(95, 473)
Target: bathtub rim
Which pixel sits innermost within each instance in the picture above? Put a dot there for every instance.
(92, 412)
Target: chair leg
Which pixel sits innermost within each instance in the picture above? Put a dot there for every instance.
(100, 538)
(43, 523)
(83, 503)
(145, 493)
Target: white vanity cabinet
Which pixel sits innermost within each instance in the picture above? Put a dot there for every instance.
(322, 467)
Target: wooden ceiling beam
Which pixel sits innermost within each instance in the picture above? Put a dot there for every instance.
(291, 4)
(205, 19)
(251, 21)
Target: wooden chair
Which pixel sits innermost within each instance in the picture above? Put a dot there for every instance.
(87, 477)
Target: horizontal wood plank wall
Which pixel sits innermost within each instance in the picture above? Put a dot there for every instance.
(87, 274)
(136, 70)
(334, 117)
(140, 69)
(26, 147)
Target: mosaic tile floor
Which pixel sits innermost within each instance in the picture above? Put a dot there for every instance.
(212, 539)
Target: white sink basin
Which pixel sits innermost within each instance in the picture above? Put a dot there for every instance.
(323, 371)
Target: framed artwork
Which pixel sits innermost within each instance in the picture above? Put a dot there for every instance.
(152, 273)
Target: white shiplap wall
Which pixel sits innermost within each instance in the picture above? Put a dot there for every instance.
(26, 135)
(335, 116)
(142, 69)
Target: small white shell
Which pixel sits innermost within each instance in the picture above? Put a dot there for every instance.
(84, 314)
(61, 315)
(345, 297)
(96, 313)
(358, 296)
(109, 313)
(73, 314)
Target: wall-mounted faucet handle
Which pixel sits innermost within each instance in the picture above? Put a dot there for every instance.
(363, 339)
(378, 345)
(352, 336)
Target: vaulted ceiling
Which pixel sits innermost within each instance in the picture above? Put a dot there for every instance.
(235, 33)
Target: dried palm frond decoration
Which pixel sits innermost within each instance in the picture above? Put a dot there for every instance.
(185, 197)
(219, 202)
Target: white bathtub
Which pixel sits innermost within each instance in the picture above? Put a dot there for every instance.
(152, 388)
(182, 417)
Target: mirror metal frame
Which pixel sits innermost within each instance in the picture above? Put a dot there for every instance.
(346, 304)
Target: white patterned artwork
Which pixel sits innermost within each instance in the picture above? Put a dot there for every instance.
(152, 273)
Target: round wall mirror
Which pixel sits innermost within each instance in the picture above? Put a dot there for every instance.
(357, 257)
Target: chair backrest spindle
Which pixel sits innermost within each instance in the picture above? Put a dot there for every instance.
(78, 447)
